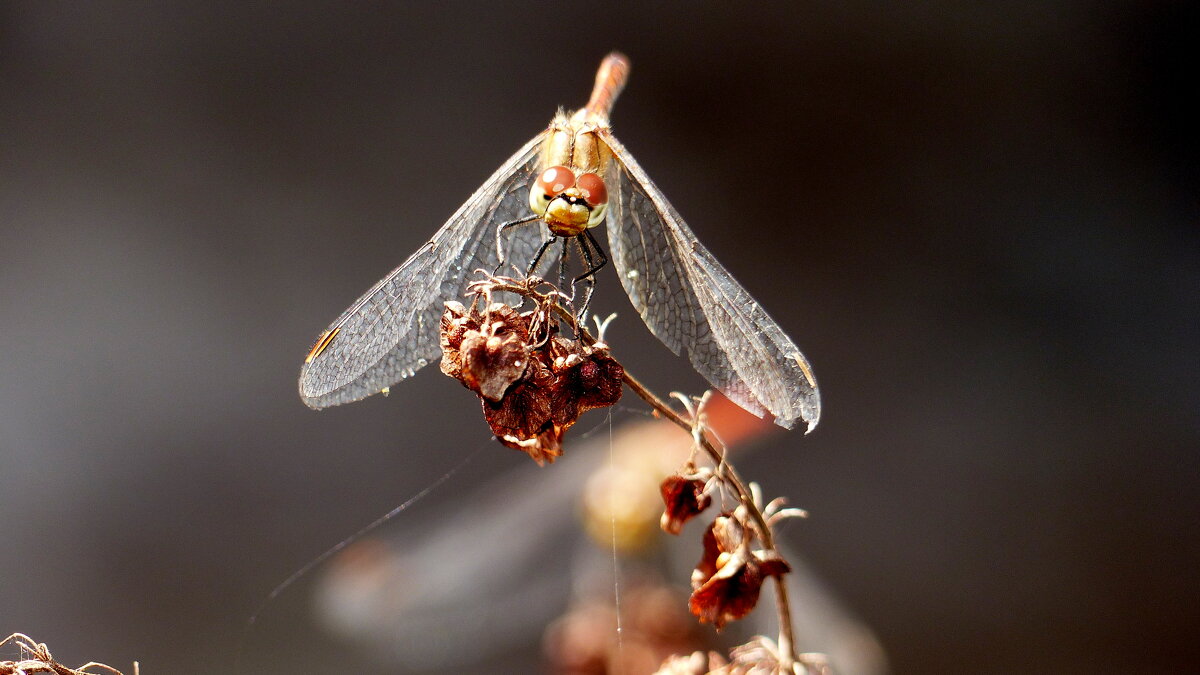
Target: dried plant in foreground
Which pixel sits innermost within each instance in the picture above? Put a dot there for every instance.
(37, 659)
(534, 382)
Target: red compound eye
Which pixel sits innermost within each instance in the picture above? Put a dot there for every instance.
(555, 179)
(593, 189)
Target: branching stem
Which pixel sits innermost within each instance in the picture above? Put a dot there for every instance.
(786, 643)
(787, 650)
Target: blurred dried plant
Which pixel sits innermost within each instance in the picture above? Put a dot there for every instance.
(36, 658)
(535, 371)
(573, 557)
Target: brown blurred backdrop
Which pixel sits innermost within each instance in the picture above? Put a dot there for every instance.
(989, 253)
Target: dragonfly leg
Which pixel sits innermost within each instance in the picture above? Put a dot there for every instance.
(588, 243)
(562, 266)
(500, 257)
(538, 258)
(593, 266)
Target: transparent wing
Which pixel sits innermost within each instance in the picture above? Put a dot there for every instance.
(392, 330)
(690, 302)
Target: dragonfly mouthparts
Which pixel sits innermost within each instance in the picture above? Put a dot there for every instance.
(568, 216)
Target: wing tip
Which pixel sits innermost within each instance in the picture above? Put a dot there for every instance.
(811, 413)
(311, 401)
(810, 422)
(808, 409)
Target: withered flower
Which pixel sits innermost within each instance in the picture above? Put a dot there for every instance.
(684, 499)
(587, 377)
(532, 388)
(543, 448)
(727, 581)
(525, 409)
(486, 352)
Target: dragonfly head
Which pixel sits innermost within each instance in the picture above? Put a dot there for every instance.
(569, 205)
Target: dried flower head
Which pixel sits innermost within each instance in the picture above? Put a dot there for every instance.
(727, 581)
(685, 498)
(486, 352)
(533, 384)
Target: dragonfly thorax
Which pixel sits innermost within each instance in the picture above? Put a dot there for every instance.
(568, 204)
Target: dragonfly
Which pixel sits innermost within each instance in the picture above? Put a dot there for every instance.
(561, 185)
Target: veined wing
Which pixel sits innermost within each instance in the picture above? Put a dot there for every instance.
(689, 301)
(392, 330)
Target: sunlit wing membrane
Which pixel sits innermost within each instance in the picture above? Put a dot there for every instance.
(690, 302)
(392, 330)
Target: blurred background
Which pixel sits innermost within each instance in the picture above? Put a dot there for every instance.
(978, 222)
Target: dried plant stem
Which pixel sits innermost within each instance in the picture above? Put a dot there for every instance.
(786, 642)
(787, 650)
(40, 661)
